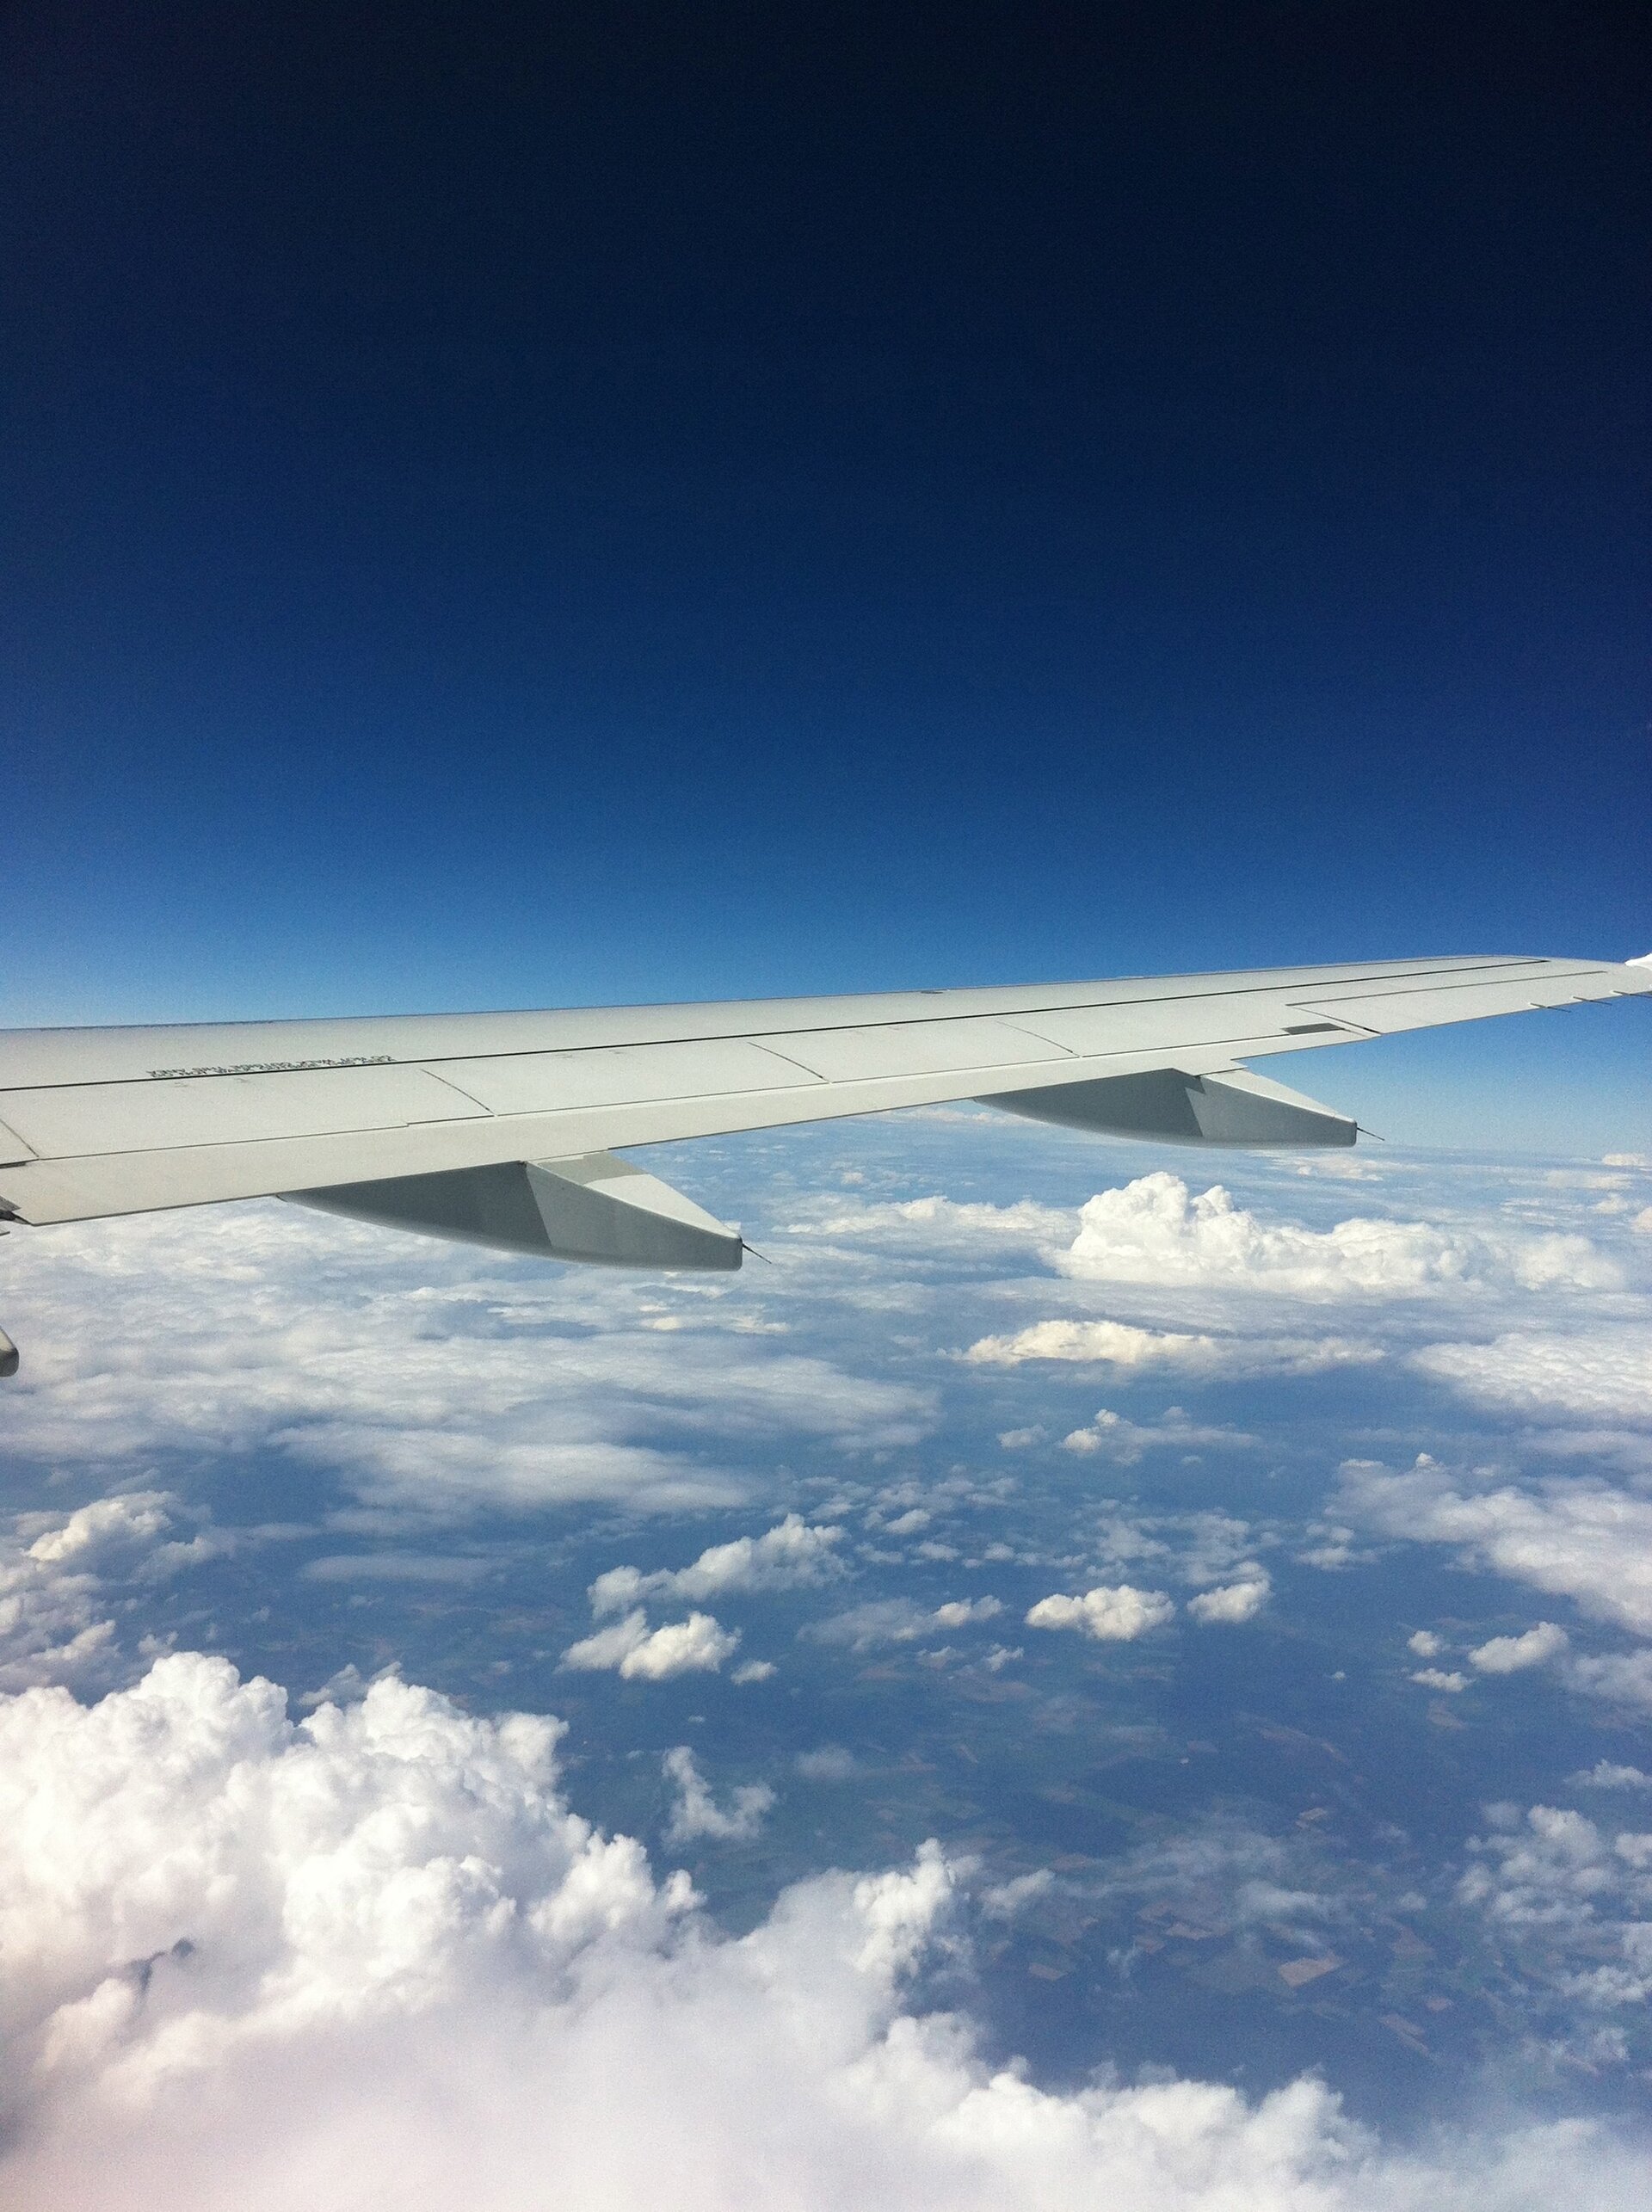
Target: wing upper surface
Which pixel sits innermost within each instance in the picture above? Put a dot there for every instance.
(102, 1121)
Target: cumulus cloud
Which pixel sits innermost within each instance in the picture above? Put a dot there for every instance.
(1234, 1602)
(1509, 1655)
(1605, 1775)
(1155, 1231)
(1579, 1538)
(789, 1556)
(64, 1577)
(1572, 1900)
(1111, 1436)
(698, 1645)
(1438, 1677)
(960, 1612)
(697, 1812)
(1426, 1644)
(251, 1961)
(897, 1620)
(1122, 1346)
(1114, 1614)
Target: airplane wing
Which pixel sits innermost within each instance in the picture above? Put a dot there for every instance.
(501, 1128)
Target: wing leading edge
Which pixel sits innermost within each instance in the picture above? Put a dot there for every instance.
(391, 1118)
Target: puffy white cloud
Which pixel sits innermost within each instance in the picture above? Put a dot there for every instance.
(1235, 1602)
(1574, 1901)
(1155, 1231)
(1584, 1539)
(63, 1577)
(1111, 1436)
(1114, 1614)
(789, 1556)
(752, 1670)
(1426, 1644)
(1605, 1775)
(698, 1645)
(1121, 1345)
(1437, 1678)
(697, 1812)
(256, 1962)
(1509, 1655)
(897, 1620)
(960, 1612)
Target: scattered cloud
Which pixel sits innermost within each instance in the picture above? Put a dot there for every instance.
(698, 1645)
(1604, 1775)
(1233, 1602)
(1435, 1677)
(829, 1762)
(1426, 1644)
(960, 1612)
(897, 1620)
(1111, 1615)
(696, 1812)
(1509, 1655)
(1131, 1350)
(791, 1556)
(1582, 1538)
(1111, 1436)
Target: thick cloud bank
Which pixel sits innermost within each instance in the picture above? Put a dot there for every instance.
(373, 1958)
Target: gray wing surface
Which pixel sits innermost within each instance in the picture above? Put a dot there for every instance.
(395, 1118)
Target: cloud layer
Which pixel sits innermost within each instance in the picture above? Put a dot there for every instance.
(257, 1964)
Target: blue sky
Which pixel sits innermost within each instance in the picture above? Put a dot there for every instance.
(639, 508)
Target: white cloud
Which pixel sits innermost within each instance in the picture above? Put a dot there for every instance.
(1132, 1350)
(696, 1812)
(934, 1221)
(1435, 1677)
(1573, 1901)
(959, 1612)
(249, 1960)
(829, 1762)
(1425, 1644)
(1603, 1375)
(1111, 1436)
(1605, 1775)
(897, 1620)
(437, 1381)
(1155, 1231)
(789, 1556)
(1579, 1538)
(752, 1670)
(64, 1579)
(1112, 1615)
(698, 1645)
(1236, 1602)
(1509, 1655)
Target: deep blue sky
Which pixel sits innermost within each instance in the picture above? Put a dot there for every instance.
(510, 505)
